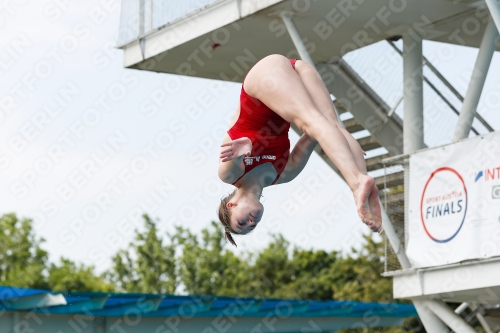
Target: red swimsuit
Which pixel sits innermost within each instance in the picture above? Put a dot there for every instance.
(267, 131)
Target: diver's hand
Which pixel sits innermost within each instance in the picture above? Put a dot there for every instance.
(235, 148)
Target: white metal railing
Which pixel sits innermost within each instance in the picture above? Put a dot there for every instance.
(379, 66)
(138, 17)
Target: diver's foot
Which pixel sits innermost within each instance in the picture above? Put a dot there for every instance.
(361, 197)
(374, 204)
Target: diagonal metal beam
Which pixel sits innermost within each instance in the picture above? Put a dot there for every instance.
(476, 84)
(494, 8)
(478, 313)
(461, 308)
(431, 322)
(295, 36)
(364, 104)
(450, 318)
(447, 101)
(301, 48)
(447, 84)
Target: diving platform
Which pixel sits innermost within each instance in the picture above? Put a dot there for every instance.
(225, 38)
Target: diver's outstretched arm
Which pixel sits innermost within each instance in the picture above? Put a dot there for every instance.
(298, 158)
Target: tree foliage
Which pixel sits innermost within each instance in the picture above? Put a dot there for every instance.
(23, 263)
(69, 276)
(198, 265)
(148, 265)
(182, 262)
(204, 265)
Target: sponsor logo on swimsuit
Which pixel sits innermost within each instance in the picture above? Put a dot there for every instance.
(443, 205)
(268, 157)
(249, 160)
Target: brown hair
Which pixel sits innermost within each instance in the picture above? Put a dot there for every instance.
(225, 217)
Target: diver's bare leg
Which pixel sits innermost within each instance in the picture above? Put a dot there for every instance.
(277, 84)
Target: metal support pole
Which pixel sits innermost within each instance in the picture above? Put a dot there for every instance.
(484, 323)
(494, 8)
(431, 322)
(297, 41)
(394, 240)
(301, 48)
(461, 308)
(479, 315)
(413, 130)
(413, 135)
(477, 82)
(454, 321)
(142, 14)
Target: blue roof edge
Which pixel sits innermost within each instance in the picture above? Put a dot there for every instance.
(162, 305)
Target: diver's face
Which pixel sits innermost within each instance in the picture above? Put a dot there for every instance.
(245, 216)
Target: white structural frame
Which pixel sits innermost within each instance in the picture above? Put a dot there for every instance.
(476, 84)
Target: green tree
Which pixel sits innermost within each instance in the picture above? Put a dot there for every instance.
(69, 276)
(22, 260)
(357, 277)
(271, 270)
(207, 267)
(148, 265)
(310, 275)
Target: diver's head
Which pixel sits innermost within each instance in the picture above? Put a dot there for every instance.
(239, 213)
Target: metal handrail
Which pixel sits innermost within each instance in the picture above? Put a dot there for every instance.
(448, 85)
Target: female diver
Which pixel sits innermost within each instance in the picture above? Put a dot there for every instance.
(256, 153)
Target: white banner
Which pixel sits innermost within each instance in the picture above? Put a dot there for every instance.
(454, 203)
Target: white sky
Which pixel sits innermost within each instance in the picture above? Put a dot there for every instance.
(85, 145)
